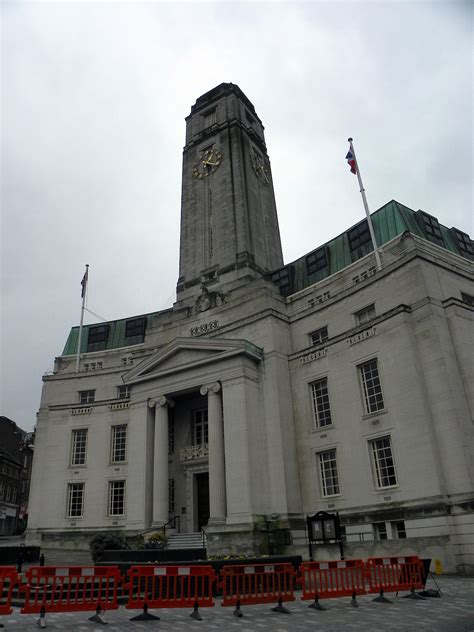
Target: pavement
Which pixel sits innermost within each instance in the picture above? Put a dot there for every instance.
(453, 612)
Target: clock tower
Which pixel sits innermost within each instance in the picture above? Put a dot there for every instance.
(229, 224)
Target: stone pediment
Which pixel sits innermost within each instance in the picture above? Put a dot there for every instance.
(187, 353)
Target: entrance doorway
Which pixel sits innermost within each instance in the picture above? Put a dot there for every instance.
(202, 497)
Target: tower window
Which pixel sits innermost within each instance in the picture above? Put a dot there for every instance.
(210, 118)
(464, 242)
(282, 279)
(316, 261)
(97, 339)
(360, 242)
(431, 228)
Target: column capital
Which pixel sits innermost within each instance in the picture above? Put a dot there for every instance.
(215, 387)
(160, 401)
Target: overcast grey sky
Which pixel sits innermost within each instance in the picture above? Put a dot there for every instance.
(93, 102)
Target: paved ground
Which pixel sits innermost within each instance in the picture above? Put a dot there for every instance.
(454, 612)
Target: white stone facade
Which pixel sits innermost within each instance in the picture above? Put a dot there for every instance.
(230, 399)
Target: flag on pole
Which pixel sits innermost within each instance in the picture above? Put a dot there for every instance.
(84, 282)
(352, 162)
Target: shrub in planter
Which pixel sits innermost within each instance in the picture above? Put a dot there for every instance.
(156, 540)
(107, 541)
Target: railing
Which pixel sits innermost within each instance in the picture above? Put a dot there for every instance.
(194, 452)
(172, 521)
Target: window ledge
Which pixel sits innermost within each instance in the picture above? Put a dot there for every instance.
(382, 411)
(384, 490)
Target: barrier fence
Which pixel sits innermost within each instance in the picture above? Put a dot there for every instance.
(258, 583)
(8, 580)
(170, 586)
(71, 588)
(332, 579)
(88, 588)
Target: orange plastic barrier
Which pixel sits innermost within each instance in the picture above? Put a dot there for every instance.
(392, 574)
(332, 579)
(8, 579)
(257, 583)
(170, 586)
(71, 588)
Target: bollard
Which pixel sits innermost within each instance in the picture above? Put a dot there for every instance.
(41, 623)
(354, 603)
(281, 607)
(316, 605)
(381, 598)
(238, 612)
(99, 616)
(195, 613)
(145, 615)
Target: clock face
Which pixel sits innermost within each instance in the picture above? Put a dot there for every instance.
(258, 165)
(208, 162)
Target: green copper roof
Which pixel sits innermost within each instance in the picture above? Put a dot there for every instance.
(390, 220)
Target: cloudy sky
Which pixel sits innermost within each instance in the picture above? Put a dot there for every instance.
(93, 100)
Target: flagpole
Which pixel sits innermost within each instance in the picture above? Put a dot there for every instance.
(366, 206)
(84, 292)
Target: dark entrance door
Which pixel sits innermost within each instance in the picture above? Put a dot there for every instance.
(202, 487)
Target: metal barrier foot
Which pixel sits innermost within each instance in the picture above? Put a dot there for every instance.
(195, 613)
(99, 616)
(281, 607)
(412, 595)
(41, 623)
(430, 593)
(381, 598)
(316, 605)
(238, 612)
(354, 603)
(145, 615)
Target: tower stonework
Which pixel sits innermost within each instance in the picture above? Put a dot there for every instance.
(229, 224)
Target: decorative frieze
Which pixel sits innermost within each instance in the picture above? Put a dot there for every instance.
(81, 411)
(120, 406)
(205, 328)
(194, 452)
(363, 335)
(316, 355)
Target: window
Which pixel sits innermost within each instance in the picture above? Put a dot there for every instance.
(317, 261)
(399, 529)
(380, 531)
(320, 399)
(170, 431)
(282, 279)
(116, 498)
(328, 473)
(431, 228)
(135, 330)
(467, 298)
(371, 387)
(365, 315)
(210, 118)
(123, 392)
(384, 466)
(319, 336)
(199, 429)
(360, 242)
(464, 242)
(119, 444)
(97, 339)
(75, 500)
(86, 397)
(171, 495)
(79, 447)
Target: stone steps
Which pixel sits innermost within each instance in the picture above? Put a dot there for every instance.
(65, 557)
(186, 541)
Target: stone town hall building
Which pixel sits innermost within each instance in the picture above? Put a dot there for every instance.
(322, 384)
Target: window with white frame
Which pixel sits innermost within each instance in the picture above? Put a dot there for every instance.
(86, 397)
(365, 315)
(399, 529)
(75, 500)
(319, 336)
(123, 392)
(380, 531)
(328, 473)
(199, 427)
(116, 498)
(320, 401)
(79, 447)
(171, 491)
(119, 444)
(371, 386)
(383, 462)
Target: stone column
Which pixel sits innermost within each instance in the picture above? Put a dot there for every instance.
(217, 483)
(160, 460)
